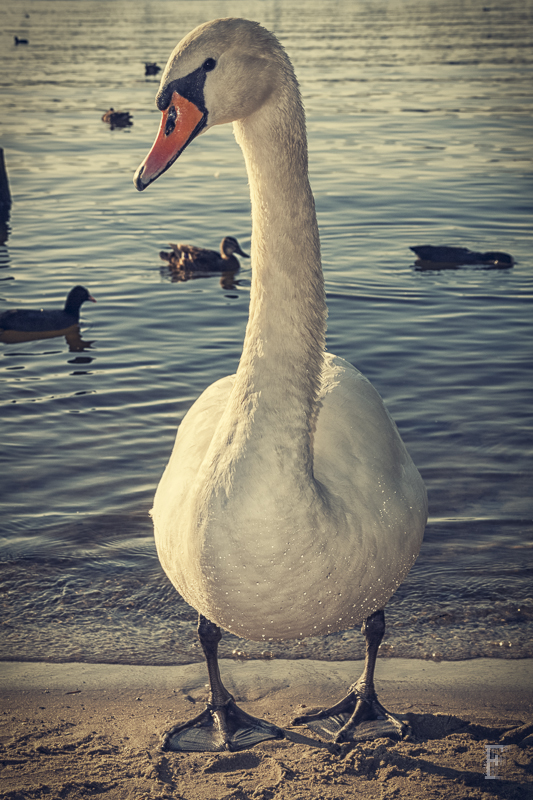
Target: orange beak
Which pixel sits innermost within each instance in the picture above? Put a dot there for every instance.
(181, 122)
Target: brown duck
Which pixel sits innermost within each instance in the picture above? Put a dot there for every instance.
(117, 119)
(190, 258)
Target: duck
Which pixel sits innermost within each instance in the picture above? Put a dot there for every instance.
(40, 320)
(431, 256)
(20, 41)
(117, 119)
(290, 506)
(151, 68)
(190, 258)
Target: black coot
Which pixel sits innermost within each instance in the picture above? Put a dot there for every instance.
(441, 257)
(22, 319)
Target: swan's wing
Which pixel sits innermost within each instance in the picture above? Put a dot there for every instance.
(192, 441)
(359, 455)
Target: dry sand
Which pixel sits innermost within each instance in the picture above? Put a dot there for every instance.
(93, 731)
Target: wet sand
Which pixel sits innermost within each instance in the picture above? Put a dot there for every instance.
(84, 730)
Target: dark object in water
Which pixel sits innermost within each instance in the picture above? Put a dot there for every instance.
(5, 195)
(151, 69)
(117, 119)
(190, 258)
(26, 319)
(442, 257)
(20, 41)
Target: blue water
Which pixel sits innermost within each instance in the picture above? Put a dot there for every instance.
(419, 121)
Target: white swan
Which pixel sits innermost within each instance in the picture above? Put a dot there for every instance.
(290, 506)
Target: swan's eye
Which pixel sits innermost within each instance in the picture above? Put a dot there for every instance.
(209, 64)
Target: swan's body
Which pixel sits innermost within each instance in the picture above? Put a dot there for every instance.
(190, 258)
(289, 506)
(270, 539)
(35, 320)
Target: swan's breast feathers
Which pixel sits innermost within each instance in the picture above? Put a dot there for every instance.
(318, 559)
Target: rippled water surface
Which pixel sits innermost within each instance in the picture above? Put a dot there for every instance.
(419, 120)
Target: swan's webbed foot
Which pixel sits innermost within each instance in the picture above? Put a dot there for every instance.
(222, 725)
(225, 727)
(359, 715)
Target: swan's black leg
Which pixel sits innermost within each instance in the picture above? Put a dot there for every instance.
(222, 725)
(360, 714)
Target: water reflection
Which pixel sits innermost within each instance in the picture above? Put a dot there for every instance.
(176, 273)
(72, 337)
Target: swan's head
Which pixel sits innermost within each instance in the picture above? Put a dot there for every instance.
(222, 71)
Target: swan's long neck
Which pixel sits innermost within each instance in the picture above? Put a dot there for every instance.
(279, 371)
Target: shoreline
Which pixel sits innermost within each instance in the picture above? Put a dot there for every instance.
(75, 730)
(272, 675)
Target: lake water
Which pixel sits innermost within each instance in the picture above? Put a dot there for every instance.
(419, 120)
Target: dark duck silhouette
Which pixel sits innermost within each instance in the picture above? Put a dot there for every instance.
(441, 257)
(151, 68)
(34, 320)
(20, 41)
(117, 119)
(189, 258)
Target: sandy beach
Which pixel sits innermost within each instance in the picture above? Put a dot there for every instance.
(84, 730)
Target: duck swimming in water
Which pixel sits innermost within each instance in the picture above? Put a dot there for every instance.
(191, 258)
(290, 506)
(117, 119)
(431, 256)
(32, 320)
(151, 68)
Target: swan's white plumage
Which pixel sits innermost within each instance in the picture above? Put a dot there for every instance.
(290, 506)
